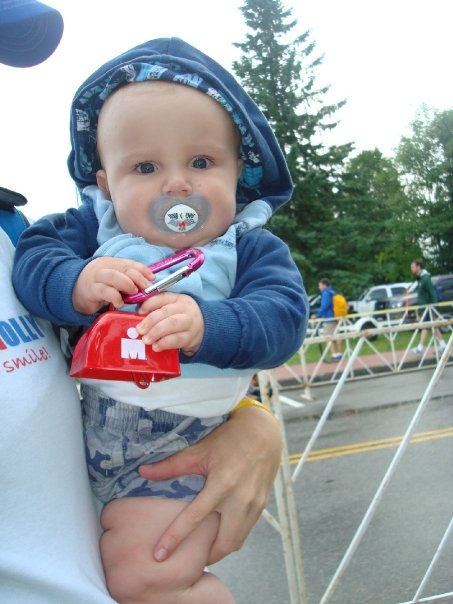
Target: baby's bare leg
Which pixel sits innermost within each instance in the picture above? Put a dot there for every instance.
(132, 526)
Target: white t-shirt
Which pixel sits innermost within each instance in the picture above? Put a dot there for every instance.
(49, 527)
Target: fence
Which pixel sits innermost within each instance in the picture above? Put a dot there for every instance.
(386, 325)
(352, 366)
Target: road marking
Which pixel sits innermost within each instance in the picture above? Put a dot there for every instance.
(290, 402)
(371, 445)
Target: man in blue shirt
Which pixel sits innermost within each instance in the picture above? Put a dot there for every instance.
(326, 312)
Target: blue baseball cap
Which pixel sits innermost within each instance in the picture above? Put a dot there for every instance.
(30, 31)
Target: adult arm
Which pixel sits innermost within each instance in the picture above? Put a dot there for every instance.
(239, 460)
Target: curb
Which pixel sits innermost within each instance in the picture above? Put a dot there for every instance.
(367, 395)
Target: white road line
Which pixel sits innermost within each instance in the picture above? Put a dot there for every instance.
(290, 402)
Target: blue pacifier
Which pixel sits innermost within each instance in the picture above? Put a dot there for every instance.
(174, 215)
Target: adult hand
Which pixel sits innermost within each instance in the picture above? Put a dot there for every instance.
(239, 460)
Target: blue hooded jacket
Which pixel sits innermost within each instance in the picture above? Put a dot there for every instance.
(265, 174)
(326, 308)
(263, 321)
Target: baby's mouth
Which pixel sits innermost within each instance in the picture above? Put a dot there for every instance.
(174, 215)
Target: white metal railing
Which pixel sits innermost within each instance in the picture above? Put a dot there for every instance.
(286, 523)
(387, 325)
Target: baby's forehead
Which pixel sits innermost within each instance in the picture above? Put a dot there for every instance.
(129, 93)
(168, 95)
(159, 88)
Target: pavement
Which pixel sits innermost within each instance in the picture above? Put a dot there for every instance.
(365, 393)
(332, 496)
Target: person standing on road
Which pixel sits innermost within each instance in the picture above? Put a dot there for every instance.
(326, 312)
(426, 294)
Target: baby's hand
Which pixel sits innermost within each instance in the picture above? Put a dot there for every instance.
(102, 281)
(172, 321)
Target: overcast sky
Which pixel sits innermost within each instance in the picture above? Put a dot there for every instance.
(385, 57)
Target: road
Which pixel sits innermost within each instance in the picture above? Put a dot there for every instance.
(335, 488)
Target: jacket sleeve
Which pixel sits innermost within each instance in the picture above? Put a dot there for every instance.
(325, 310)
(49, 257)
(263, 322)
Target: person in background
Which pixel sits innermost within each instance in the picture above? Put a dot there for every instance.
(426, 294)
(49, 523)
(329, 324)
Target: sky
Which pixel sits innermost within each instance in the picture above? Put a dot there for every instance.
(384, 57)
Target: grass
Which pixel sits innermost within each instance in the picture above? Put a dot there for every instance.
(381, 344)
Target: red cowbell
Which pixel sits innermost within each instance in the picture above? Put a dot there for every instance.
(111, 349)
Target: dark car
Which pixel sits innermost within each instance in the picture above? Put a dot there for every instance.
(444, 285)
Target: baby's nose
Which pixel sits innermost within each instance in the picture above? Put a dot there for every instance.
(177, 184)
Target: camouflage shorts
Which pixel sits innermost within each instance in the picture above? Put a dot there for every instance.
(119, 438)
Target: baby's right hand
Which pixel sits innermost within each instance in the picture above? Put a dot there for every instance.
(103, 280)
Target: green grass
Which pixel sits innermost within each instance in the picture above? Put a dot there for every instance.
(381, 344)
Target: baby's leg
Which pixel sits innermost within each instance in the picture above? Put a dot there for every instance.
(132, 526)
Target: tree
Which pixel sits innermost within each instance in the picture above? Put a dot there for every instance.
(279, 73)
(369, 230)
(425, 161)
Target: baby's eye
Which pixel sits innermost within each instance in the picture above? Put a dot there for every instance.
(146, 168)
(201, 163)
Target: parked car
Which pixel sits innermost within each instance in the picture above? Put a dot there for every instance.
(443, 284)
(379, 297)
(314, 300)
(409, 298)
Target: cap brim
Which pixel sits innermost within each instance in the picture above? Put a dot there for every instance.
(32, 37)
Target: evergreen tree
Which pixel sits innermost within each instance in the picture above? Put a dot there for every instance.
(425, 160)
(278, 71)
(370, 231)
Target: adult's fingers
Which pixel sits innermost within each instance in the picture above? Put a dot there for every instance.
(182, 526)
(184, 462)
(188, 461)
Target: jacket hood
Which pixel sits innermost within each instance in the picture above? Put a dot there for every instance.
(265, 174)
(424, 273)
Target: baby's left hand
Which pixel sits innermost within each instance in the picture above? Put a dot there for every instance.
(172, 321)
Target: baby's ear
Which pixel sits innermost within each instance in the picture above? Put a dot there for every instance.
(101, 180)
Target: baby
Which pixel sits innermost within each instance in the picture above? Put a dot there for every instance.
(169, 152)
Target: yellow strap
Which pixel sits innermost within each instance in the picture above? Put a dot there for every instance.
(248, 402)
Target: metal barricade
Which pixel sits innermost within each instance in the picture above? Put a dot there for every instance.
(355, 342)
(387, 325)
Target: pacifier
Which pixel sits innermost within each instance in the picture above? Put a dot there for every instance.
(174, 215)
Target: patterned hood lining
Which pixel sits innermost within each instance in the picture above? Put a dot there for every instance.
(265, 174)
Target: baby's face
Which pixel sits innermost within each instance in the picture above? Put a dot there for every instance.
(169, 154)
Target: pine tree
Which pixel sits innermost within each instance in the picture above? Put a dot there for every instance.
(425, 161)
(279, 73)
(369, 230)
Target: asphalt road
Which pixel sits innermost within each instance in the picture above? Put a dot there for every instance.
(334, 490)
